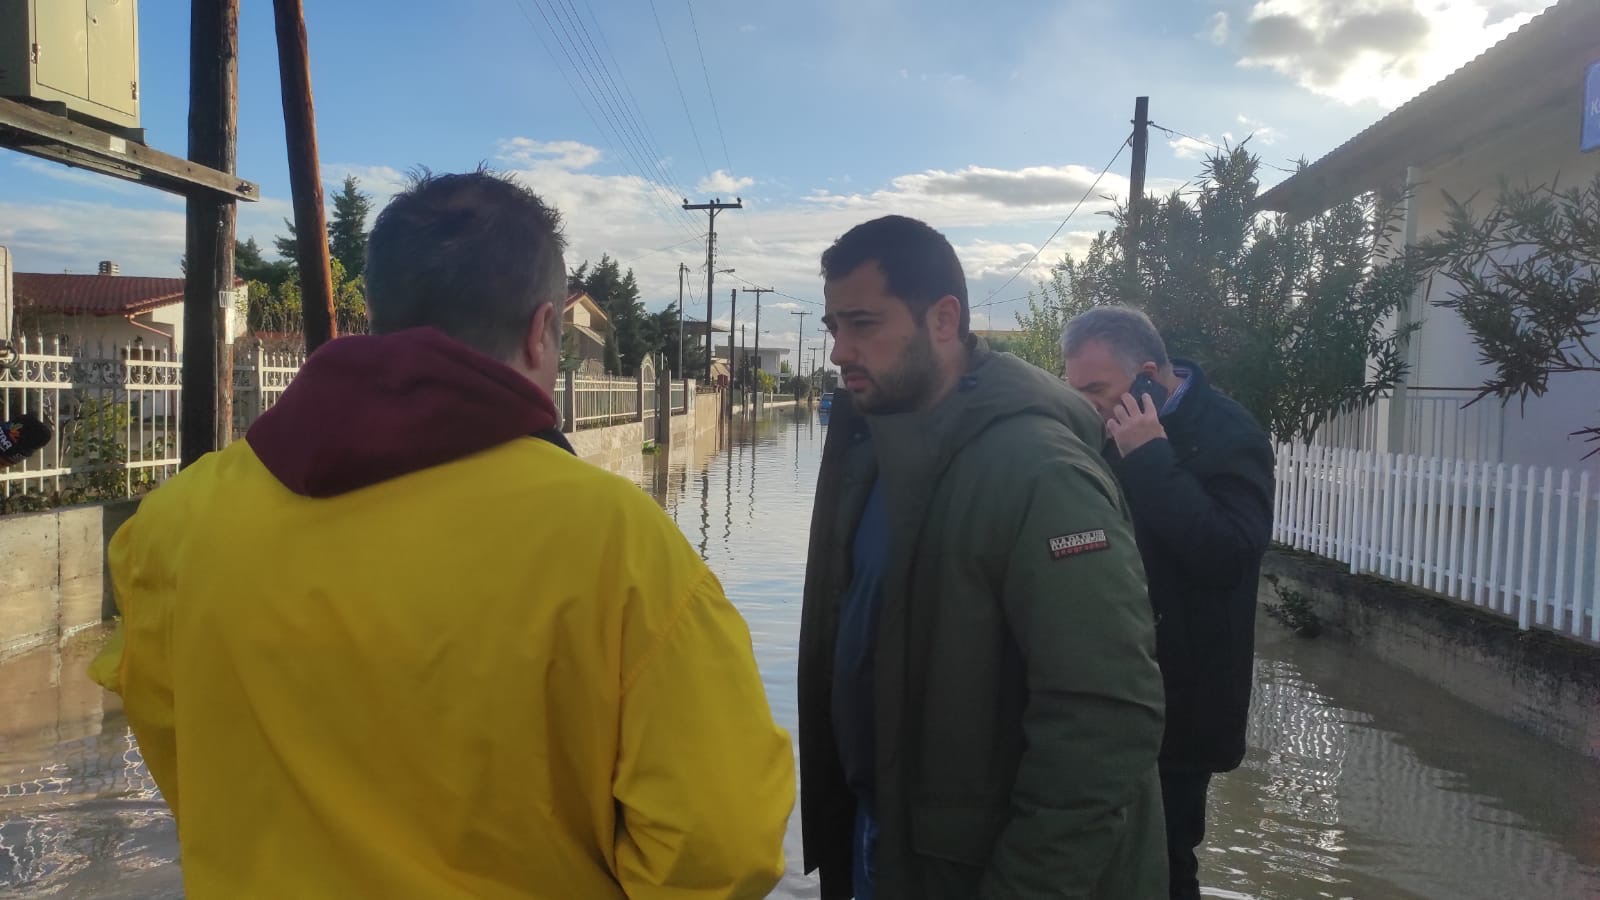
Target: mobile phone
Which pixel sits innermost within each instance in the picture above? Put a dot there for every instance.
(1144, 384)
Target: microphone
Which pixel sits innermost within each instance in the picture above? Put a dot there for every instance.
(21, 436)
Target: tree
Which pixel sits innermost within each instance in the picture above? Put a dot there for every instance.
(618, 294)
(1526, 281)
(347, 230)
(288, 245)
(278, 309)
(249, 265)
(1295, 321)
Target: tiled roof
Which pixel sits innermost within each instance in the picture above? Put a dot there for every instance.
(96, 295)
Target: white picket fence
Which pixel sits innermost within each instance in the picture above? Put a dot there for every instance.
(1519, 540)
(117, 413)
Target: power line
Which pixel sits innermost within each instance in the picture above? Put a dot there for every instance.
(747, 281)
(1086, 194)
(658, 191)
(717, 117)
(631, 109)
(597, 92)
(1215, 146)
(681, 96)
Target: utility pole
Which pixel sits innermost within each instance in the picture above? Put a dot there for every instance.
(305, 181)
(1141, 154)
(824, 333)
(712, 208)
(733, 319)
(682, 269)
(800, 348)
(744, 365)
(206, 402)
(758, 292)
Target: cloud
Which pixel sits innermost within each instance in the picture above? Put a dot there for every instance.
(1190, 148)
(74, 236)
(560, 154)
(1033, 186)
(382, 182)
(86, 178)
(1216, 30)
(1386, 51)
(1259, 132)
(990, 215)
(720, 182)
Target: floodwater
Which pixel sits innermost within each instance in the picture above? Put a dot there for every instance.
(1361, 782)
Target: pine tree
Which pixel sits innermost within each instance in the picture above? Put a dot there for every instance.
(347, 231)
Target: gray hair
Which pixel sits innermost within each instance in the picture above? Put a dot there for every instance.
(1129, 333)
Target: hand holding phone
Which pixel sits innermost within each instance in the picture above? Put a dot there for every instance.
(1143, 385)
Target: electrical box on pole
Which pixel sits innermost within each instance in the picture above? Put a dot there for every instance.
(80, 58)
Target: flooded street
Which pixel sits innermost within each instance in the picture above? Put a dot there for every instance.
(1360, 781)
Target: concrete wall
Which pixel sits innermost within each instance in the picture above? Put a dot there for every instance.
(616, 447)
(53, 582)
(1547, 684)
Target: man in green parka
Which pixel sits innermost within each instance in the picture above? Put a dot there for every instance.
(980, 706)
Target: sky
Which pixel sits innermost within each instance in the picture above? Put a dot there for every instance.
(990, 121)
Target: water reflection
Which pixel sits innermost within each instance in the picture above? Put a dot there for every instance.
(1360, 782)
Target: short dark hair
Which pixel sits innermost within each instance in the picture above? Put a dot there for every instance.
(918, 262)
(473, 254)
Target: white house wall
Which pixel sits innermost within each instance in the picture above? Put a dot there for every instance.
(1543, 150)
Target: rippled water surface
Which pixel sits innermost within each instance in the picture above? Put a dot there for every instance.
(1360, 782)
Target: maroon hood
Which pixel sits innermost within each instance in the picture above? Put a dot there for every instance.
(368, 408)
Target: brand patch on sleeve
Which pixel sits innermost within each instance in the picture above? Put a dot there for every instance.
(1076, 544)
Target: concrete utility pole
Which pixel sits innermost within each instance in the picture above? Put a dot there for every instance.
(712, 208)
(682, 270)
(800, 345)
(305, 180)
(825, 336)
(758, 292)
(1141, 155)
(207, 398)
(733, 319)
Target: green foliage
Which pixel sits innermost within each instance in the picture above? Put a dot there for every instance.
(279, 309)
(1293, 610)
(93, 440)
(618, 294)
(1526, 279)
(1293, 320)
(347, 229)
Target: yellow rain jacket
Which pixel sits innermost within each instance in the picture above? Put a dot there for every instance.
(389, 646)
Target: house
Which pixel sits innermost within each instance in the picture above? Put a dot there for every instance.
(1514, 114)
(770, 359)
(583, 318)
(89, 312)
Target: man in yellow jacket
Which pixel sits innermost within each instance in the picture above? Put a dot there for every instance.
(400, 642)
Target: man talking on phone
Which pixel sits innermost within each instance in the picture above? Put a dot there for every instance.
(1198, 474)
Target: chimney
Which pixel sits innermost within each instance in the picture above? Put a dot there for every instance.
(107, 267)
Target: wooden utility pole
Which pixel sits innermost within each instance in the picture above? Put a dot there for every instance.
(712, 208)
(207, 398)
(305, 179)
(1141, 154)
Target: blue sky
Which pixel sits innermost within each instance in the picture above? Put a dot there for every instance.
(989, 120)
